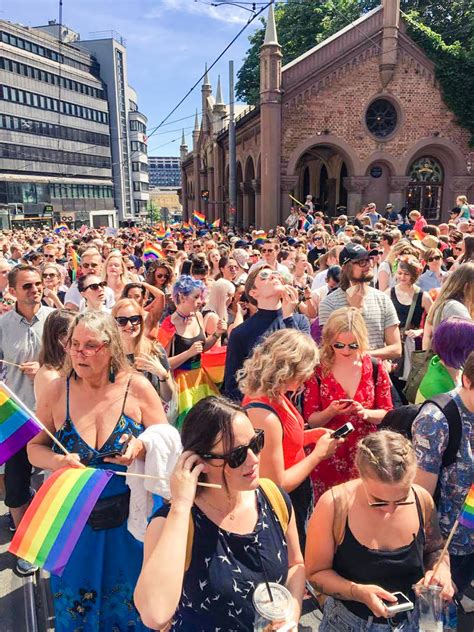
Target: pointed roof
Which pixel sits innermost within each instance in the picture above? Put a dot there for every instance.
(219, 99)
(183, 140)
(196, 122)
(206, 77)
(270, 30)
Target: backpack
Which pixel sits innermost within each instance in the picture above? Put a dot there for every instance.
(401, 420)
(275, 498)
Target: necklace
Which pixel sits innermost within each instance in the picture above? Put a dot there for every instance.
(185, 317)
(231, 515)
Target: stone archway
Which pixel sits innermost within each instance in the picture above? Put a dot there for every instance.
(239, 216)
(249, 193)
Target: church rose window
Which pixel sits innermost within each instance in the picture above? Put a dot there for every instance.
(381, 118)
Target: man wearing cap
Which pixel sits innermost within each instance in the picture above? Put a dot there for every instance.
(372, 213)
(241, 257)
(391, 214)
(376, 307)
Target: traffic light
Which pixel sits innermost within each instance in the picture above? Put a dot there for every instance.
(205, 195)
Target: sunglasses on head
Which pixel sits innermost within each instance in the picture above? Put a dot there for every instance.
(29, 286)
(237, 457)
(341, 345)
(95, 286)
(122, 321)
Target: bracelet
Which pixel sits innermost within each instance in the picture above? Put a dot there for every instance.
(166, 378)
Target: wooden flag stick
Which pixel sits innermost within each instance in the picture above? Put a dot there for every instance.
(295, 200)
(10, 363)
(445, 549)
(160, 478)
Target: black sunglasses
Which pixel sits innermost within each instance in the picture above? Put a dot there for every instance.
(29, 286)
(122, 321)
(341, 345)
(95, 286)
(236, 457)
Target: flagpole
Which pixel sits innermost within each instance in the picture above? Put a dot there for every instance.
(295, 200)
(445, 548)
(160, 478)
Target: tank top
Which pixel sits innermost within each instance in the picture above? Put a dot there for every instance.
(182, 344)
(395, 570)
(402, 310)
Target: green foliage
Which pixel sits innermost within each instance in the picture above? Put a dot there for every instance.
(301, 24)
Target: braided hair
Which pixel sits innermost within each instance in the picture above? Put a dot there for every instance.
(387, 455)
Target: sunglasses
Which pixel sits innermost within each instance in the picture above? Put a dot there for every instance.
(437, 258)
(341, 345)
(86, 266)
(49, 256)
(363, 263)
(265, 250)
(49, 275)
(158, 275)
(94, 286)
(30, 286)
(122, 321)
(386, 503)
(237, 457)
(268, 274)
(130, 267)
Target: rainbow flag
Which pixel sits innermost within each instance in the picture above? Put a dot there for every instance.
(60, 227)
(200, 218)
(17, 424)
(213, 361)
(216, 223)
(54, 521)
(75, 261)
(260, 237)
(152, 252)
(466, 517)
(186, 228)
(162, 233)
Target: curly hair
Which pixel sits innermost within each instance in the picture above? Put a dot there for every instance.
(185, 286)
(284, 356)
(387, 456)
(343, 320)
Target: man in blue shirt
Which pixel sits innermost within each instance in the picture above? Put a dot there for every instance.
(276, 304)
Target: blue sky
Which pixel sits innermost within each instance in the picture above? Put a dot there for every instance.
(168, 43)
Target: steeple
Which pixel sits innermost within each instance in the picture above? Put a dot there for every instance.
(219, 105)
(205, 81)
(391, 23)
(196, 131)
(196, 121)
(183, 149)
(206, 91)
(270, 30)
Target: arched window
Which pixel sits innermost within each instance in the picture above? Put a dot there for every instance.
(425, 190)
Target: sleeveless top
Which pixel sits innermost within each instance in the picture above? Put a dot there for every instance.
(292, 424)
(402, 310)
(226, 568)
(181, 344)
(395, 570)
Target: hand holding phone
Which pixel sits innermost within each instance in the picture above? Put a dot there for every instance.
(403, 604)
(343, 431)
(120, 452)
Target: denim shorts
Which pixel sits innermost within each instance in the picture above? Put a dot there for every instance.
(337, 618)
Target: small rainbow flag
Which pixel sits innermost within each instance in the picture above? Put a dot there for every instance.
(60, 227)
(163, 233)
(186, 228)
(75, 261)
(151, 251)
(260, 237)
(199, 217)
(466, 517)
(54, 521)
(216, 223)
(17, 424)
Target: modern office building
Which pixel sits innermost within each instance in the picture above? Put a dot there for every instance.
(67, 129)
(164, 172)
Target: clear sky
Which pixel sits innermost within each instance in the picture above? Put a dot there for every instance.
(168, 42)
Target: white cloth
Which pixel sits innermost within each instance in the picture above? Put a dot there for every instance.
(74, 296)
(163, 448)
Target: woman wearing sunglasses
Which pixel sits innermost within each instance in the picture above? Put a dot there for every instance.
(384, 540)
(238, 540)
(53, 296)
(348, 386)
(145, 355)
(92, 290)
(281, 364)
(433, 277)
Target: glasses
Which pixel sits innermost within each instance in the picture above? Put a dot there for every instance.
(231, 267)
(363, 263)
(386, 503)
(457, 248)
(49, 275)
(159, 275)
(236, 457)
(436, 258)
(266, 250)
(268, 274)
(130, 267)
(122, 321)
(89, 350)
(86, 266)
(49, 256)
(341, 345)
(30, 286)
(95, 286)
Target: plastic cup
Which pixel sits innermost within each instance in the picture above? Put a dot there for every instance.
(272, 615)
(429, 605)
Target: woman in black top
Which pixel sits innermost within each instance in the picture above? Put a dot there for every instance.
(388, 542)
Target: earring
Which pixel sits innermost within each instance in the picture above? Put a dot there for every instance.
(111, 374)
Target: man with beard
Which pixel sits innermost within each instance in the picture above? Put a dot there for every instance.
(376, 307)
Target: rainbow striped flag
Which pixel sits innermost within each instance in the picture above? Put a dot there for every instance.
(260, 237)
(216, 223)
(162, 233)
(54, 521)
(186, 228)
(60, 227)
(200, 218)
(152, 252)
(17, 424)
(466, 517)
(213, 361)
(75, 261)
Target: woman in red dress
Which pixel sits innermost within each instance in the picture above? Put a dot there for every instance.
(348, 386)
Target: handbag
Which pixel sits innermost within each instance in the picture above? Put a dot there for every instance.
(400, 370)
(110, 513)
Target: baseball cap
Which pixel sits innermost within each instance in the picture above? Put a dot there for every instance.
(241, 256)
(352, 252)
(389, 205)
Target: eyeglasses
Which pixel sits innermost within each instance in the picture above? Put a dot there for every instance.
(158, 275)
(436, 258)
(49, 275)
(362, 263)
(95, 286)
(130, 267)
(86, 266)
(266, 250)
(267, 274)
(46, 256)
(341, 345)
(89, 350)
(122, 321)
(237, 457)
(232, 267)
(30, 286)
(386, 503)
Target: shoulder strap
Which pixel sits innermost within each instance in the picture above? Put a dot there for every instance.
(411, 311)
(189, 543)
(67, 398)
(260, 405)
(375, 369)
(450, 410)
(126, 395)
(276, 500)
(341, 509)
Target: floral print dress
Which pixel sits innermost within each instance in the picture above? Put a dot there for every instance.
(320, 391)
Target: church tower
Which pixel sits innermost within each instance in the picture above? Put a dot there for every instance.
(206, 91)
(270, 125)
(391, 24)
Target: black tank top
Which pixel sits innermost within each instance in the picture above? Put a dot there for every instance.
(182, 344)
(396, 570)
(402, 310)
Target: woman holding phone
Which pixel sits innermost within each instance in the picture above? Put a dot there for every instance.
(348, 386)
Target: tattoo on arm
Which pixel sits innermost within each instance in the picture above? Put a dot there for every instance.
(434, 540)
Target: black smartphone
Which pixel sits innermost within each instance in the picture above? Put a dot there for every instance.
(343, 431)
(114, 453)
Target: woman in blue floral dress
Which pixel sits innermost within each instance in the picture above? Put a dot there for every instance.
(98, 407)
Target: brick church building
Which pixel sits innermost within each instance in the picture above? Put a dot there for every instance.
(358, 118)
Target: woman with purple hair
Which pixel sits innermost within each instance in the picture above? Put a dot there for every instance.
(453, 341)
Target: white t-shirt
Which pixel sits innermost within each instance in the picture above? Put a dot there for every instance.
(319, 280)
(74, 296)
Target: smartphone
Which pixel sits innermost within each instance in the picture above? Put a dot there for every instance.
(403, 604)
(114, 453)
(346, 401)
(343, 431)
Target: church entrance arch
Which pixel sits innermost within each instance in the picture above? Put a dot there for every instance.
(249, 194)
(240, 196)
(425, 190)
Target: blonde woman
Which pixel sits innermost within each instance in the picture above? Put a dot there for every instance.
(280, 364)
(389, 540)
(348, 386)
(115, 273)
(213, 257)
(456, 298)
(221, 296)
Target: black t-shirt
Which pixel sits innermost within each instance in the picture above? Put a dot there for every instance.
(314, 254)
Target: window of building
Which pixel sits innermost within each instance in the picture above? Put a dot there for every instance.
(381, 118)
(425, 190)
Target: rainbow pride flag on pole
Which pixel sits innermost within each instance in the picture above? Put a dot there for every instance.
(152, 252)
(17, 424)
(466, 517)
(216, 223)
(74, 263)
(54, 521)
(199, 217)
(58, 228)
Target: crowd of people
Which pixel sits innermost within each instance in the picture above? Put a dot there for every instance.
(226, 360)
